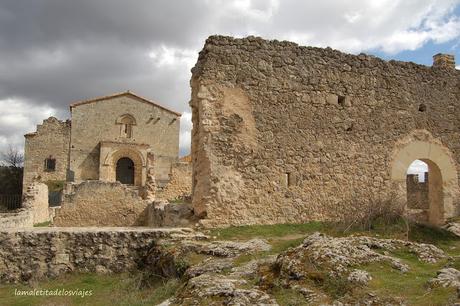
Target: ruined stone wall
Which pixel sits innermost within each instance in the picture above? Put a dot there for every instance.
(97, 121)
(32, 254)
(97, 203)
(34, 208)
(180, 184)
(36, 200)
(283, 133)
(417, 192)
(50, 140)
(17, 219)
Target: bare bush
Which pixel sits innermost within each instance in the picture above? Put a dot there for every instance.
(13, 157)
(366, 216)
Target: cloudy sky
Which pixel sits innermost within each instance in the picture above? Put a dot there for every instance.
(54, 52)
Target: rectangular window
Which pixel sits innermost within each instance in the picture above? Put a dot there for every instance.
(50, 164)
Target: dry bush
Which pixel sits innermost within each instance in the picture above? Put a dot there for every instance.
(376, 212)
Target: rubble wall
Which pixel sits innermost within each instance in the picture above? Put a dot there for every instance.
(284, 133)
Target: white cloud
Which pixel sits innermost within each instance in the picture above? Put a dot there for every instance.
(19, 117)
(353, 26)
(94, 49)
(185, 133)
(169, 56)
(418, 167)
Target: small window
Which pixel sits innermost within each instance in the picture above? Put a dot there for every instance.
(290, 179)
(422, 108)
(50, 164)
(126, 125)
(341, 100)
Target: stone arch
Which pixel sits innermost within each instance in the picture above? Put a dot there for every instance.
(134, 155)
(443, 180)
(126, 123)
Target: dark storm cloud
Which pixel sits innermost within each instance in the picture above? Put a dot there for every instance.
(53, 52)
(59, 51)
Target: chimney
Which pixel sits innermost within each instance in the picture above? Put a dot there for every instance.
(445, 61)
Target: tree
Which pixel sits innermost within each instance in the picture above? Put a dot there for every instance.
(12, 157)
(11, 171)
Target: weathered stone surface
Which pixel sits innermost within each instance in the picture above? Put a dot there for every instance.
(30, 254)
(227, 248)
(164, 214)
(218, 286)
(34, 208)
(359, 277)
(453, 227)
(447, 277)
(180, 183)
(284, 133)
(209, 266)
(51, 139)
(97, 203)
(336, 256)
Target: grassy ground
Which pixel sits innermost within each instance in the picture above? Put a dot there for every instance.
(386, 281)
(123, 289)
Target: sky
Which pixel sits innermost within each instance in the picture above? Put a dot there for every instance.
(55, 52)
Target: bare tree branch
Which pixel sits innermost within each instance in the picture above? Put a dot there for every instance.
(13, 157)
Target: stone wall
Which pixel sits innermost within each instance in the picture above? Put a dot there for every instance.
(180, 183)
(32, 254)
(96, 203)
(36, 200)
(34, 208)
(17, 219)
(417, 192)
(283, 133)
(50, 140)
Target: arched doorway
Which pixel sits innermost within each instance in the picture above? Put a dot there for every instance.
(424, 185)
(125, 171)
(442, 178)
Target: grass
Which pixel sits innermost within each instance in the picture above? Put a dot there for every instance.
(266, 231)
(55, 185)
(42, 224)
(122, 289)
(117, 289)
(387, 282)
(411, 286)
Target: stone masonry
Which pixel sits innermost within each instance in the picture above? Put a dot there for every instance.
(101, 132)
(284, 133)
(34, 208)
(51, 139)
(96, 203)
(32, 254)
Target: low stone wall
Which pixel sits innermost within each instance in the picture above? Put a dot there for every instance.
(30, 254)
(180, 184)
(34, 208)
(164, 214)
(97, 203)
(17, 219)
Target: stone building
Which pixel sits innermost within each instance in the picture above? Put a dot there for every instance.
(284, 133)
(113, 138)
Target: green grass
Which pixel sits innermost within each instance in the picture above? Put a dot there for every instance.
(55, 185)
(117, 289)
(411, 286)
(266, 231)
(42, 224)
(288, 297)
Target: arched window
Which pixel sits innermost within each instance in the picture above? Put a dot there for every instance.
(126, 123)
